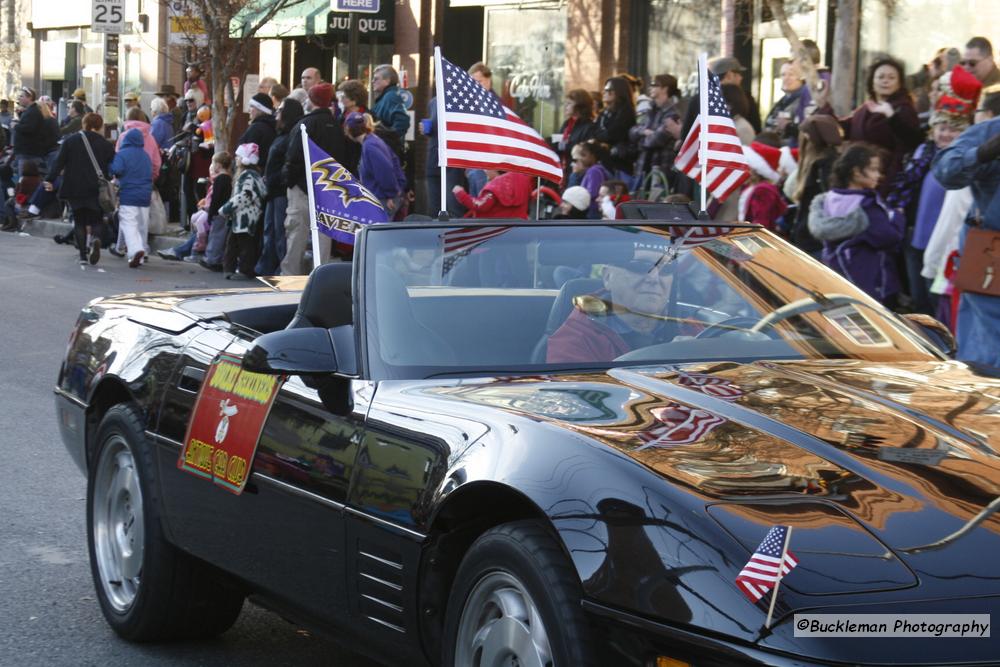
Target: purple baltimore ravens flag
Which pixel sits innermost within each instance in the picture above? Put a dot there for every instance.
(338, 203)
(769, 563)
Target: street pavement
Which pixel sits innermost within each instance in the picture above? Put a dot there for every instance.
(48, 610)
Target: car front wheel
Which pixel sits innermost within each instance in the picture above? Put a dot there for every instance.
(516, 601)
(147, 589)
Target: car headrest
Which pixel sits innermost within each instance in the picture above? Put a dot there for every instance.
(563, 305)
(326, 300)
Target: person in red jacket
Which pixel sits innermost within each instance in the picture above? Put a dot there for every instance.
(761, 201)
(505, 195)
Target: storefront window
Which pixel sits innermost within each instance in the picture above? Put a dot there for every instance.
(678, 31)
(526, 49)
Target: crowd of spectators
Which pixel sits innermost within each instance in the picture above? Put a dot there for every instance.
(880, 195)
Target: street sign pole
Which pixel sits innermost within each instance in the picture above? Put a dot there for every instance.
(354, 48)
(355, 10)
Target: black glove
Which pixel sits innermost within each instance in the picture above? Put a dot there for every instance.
(990, 150)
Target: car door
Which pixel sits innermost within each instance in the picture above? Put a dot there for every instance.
(284, 532)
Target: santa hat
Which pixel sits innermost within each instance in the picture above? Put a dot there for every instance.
(789, 161)
(959, 93)
(248, 154)
(764, 160)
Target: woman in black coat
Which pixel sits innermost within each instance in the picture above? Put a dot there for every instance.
(273, 246)
(79, 186)
(615, 121)
(577, 128)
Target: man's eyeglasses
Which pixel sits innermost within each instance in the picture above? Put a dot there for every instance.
(969, 63)
(609, 89)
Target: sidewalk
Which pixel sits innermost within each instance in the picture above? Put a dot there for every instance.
(51, 226)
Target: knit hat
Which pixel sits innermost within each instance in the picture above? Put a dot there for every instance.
(578, 197)
(354, 120)
(262, 102)
(248, 154)
(959, 94)
(763, 159)
(321, 95)
(80, 94)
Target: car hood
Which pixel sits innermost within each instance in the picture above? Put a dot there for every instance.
(860, 455)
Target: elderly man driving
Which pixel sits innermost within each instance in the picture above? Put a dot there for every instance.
(626, 315)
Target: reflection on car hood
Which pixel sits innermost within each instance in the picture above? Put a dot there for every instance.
(890, 445)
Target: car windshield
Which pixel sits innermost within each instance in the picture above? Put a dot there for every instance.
(443, 301)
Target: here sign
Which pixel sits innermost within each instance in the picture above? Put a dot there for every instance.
(363, 6)
(108, 16)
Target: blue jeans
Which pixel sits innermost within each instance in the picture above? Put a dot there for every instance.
(216, 246)
(273, 247)
(184, 249)
(476, 179)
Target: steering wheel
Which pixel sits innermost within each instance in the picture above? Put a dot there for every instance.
(740, 323)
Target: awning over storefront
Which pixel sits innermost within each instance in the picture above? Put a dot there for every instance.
(302, 18)
(313, 17)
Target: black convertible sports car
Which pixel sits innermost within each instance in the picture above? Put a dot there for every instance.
(537, 444)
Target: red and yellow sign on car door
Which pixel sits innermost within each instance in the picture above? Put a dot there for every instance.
(226, 423)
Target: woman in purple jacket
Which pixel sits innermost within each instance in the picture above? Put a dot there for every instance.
(380, 170)
(861, 235)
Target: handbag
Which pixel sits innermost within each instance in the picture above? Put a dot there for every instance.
(979, 265)
(107, 192)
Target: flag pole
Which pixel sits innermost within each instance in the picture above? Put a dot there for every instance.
(777, 583)
(703, 111)
(441, 129)
(538, 197)
(313, 226)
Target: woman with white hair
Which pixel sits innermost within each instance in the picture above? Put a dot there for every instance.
(162, 127)
(243, 212)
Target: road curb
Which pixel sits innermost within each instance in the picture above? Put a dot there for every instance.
(49, 227)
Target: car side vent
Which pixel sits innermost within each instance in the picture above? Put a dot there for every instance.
(381, 593)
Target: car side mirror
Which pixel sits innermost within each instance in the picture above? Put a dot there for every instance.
(934, 331)
(306, 351)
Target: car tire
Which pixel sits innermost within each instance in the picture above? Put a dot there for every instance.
(516, 594)
(148, 590)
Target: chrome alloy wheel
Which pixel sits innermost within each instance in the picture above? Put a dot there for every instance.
(118, 523)
(501, 626)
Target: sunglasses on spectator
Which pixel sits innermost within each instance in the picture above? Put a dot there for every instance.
(969, 63)
(609, 89)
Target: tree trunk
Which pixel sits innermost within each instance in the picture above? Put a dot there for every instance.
(845, 55)
(220, 86)
(801, 55)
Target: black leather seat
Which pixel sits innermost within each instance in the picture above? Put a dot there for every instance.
(326, 300)
(561, 308)
(402, 339)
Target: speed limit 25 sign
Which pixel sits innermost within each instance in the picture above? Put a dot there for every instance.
(108, 16)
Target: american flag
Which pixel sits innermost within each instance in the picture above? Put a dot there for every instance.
(695, 235)
(478, 132)
(468, 238)
(726, 167)
(458, 243)
(761, 571)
